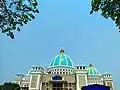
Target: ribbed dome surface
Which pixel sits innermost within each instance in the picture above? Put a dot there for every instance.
(61, 60)
(92, 70)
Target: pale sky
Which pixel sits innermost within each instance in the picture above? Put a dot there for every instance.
(63, 24)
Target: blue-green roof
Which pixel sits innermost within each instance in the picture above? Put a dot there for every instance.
(61, 60)
(106, 73)
(92, 70)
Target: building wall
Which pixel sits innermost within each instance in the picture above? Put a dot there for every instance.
(68, 81)
(38, 80)
(81, 77)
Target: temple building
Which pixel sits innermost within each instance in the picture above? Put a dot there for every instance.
(62, 74)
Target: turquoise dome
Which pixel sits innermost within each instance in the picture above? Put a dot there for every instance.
(61, 60)
(92, 71)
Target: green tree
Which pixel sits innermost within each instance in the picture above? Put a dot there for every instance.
(9, 86)
(108, 9)
(16, 13)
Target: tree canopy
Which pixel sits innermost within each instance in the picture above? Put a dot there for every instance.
(16, 13)
(9, 86)
(108, 9)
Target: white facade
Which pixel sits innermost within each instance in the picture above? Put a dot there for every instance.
(73, 77)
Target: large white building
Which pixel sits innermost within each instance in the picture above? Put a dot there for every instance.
(61, 74)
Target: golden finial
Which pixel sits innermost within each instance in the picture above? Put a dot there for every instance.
(61, 51)
(91, 65)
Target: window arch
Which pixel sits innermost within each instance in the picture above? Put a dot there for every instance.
(56, 78)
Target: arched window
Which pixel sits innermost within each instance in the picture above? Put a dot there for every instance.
(83, 67)
(69, 84)
(80, 67)
(77, 67)
(56, 78)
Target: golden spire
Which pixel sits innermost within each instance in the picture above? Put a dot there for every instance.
(90, 65)
(61, 51)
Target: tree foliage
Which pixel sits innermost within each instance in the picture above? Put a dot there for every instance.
(9, 86)
(16, 13)
(108, 8)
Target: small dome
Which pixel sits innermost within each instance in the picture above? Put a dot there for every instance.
(61, 60)
(92, 70)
